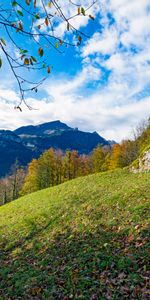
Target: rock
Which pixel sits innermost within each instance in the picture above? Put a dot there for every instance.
(142, 164)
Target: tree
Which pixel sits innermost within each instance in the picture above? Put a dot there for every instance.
(70, 165)
(25, 22)
(85, 165)
(31, 183)
(16, 180)
(129, 152)
(98, 159)
(5, 191)
(59, 167)
(11, 185)
(115, 157)
(47, 169)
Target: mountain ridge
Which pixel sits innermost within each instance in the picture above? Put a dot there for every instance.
(27, 142)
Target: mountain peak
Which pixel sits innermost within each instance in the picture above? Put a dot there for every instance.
(31, 141)
(43, 129)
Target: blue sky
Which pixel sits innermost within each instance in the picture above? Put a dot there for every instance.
(104, 85)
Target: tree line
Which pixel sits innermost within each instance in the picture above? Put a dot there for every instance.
(54, 167)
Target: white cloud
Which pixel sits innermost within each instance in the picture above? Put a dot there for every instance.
(104, 43)
(113, 107)
(99, 111)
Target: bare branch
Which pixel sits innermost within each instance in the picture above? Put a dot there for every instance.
(39, 29)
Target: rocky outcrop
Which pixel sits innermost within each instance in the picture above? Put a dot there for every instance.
(142, 164)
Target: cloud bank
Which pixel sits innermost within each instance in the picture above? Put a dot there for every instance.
(110, 93)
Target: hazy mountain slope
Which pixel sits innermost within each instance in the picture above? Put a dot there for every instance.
(11, 148)
(85, 239)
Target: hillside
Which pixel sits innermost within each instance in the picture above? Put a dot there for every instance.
(84, 239)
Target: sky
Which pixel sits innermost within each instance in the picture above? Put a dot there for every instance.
(103, 85)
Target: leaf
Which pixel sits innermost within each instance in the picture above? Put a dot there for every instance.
(83, 11)
(14, 3)
(0, 62)
(22, 57)
(20, 25)
(23, 51)
(46, 21)
(34, 3)
(61, 42)
(26, 61)
(40, 52)
(28, 2)
(3, 42)
(39, 26)
(33, 58)
(48, 70)
(49, 4)
(20, 13)
(91, 17)
(31, 62)
(56, 45)
(79, 38)
(37, 16)
(79, 10)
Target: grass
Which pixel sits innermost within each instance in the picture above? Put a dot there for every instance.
(84, 239)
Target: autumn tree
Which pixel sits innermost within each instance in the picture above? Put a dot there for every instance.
(30, 29)
(42, 172)
(31, 183)
(98, 159)
(115, 157)
(128, 152)
(85, 165)
(70, 164)
(47, 169)
(59, 167)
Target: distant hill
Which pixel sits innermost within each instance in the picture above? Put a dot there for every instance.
(30, 141)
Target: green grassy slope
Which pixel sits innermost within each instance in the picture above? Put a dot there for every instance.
(85, 239)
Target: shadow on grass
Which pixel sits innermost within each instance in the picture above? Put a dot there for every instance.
(103, 264)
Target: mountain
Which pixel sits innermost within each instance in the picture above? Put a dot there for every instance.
(55, 127)
(59, 136)
(30, 141)
(11, 148)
